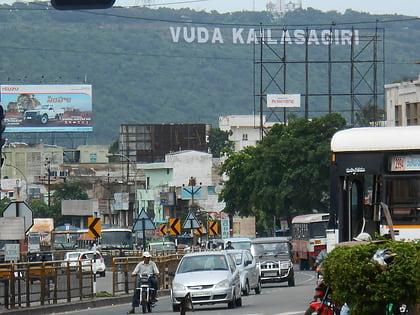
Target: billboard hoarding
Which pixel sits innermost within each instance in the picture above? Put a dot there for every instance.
(283, 100)
(47, 108)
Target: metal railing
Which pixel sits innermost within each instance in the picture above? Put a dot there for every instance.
(27, 284)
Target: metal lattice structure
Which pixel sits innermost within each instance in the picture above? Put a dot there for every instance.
(333, 70)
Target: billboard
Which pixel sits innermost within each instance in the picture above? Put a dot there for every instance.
(47, 108)
(283, 100)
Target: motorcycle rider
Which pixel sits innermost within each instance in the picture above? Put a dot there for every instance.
(147, 266)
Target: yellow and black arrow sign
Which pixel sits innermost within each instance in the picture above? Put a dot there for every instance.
(94, 227)
(213, 228)
(162, 229)
(174, 226)
(200, 230)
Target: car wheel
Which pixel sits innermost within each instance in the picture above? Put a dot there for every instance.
(176, 308)
(238, 302)
(44, 119)
(258, 288)
(246, 290)
(291, 282)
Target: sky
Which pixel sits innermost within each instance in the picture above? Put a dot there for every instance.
(405, 7)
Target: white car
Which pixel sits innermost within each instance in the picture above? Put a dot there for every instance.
(93, 261)
(70, 259)
(248, 270)
(209, 277)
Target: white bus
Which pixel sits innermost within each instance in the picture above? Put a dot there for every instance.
(375, 182)
(308, 237)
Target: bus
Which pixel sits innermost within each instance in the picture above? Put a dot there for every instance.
(116, 238)
(110, 239)
(375, 183)
(64, 237)
(308, 237)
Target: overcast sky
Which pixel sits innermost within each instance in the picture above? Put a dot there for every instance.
(405, 7)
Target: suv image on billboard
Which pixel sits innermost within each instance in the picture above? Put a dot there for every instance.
(273, 255)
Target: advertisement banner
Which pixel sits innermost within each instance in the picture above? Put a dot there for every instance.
(47, 108)
(283, 100)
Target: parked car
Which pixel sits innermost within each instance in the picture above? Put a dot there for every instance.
(274, 259)
(248, 270)
(70, 259)
(209, 277)
(94, 261)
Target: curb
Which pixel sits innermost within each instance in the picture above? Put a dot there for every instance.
(76, 306)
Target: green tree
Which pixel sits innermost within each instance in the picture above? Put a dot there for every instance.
(285, 174)
(219, 142)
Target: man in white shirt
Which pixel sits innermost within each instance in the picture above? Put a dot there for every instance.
(145, 267)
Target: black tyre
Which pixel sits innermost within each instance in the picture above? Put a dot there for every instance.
(291, 282)
(232, 304)
(144, 308)
(44, 119)
(246, 290)
(238, 302)
(176, 308)
(310, 311)
(258, 288)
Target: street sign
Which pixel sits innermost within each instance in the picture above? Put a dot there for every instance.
(12, 229)
(12, 252)
(162, 229)
(200, 230)
(20, 209)
(174, 226)
(94, 227)
(191, 222)
(213, 228)
(143, 222)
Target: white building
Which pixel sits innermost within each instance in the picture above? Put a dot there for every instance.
(245, 129)
(403, 103)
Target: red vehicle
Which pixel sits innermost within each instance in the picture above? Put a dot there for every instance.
(308, 238)
(322, 304)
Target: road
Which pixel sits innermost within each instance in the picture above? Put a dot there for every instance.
(275, 299)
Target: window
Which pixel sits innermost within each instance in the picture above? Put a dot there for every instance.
(244, 137)
(92, 157)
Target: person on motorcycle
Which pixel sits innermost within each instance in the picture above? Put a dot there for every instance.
(147, 266)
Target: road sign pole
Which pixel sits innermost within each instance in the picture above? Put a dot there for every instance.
(143, 225)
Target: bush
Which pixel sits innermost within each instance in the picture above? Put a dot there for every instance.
(368, 287)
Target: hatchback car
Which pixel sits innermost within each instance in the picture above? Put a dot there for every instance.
(248, 270)
(209, 278)
(70, 259)
(94, 261)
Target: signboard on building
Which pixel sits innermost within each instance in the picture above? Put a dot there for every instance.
(12, 228)
(283, 100)
(121, 201)
(405, 163)
(47, 108)
(11, 252)
(244, 226)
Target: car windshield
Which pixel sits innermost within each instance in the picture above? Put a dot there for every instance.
(270, 249)
(73, 255)
(202, 263)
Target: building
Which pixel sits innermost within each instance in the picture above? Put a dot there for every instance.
(403, 103)
(245, 129)
(149, 143)
(185, 179)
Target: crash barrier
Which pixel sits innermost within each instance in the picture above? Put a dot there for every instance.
(28, 284)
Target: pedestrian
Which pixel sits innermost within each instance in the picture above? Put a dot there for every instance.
(147, 266)
(229, 245)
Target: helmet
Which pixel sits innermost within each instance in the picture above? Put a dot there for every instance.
(383, 256)
(147, 254)
(363, 237)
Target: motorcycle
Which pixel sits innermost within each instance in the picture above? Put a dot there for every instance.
(322, 304)
(145, 293)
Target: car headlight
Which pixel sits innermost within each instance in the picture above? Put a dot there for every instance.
(223, 284)
(285, 265)
(178, 287)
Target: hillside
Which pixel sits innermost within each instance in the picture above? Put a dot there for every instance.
(144, 70)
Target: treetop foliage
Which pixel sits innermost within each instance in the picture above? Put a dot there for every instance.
(286, 174)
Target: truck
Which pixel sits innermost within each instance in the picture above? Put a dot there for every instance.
(43, 114)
